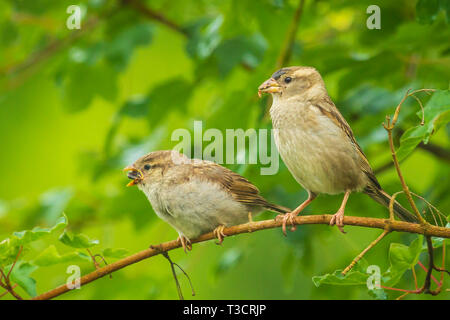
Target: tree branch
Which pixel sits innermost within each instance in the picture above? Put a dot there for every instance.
(286, 51)
(160, 18)
(22, 70)
(384, 224)
(154, 15)
(361, 255)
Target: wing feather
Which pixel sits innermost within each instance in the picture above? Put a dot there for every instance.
(328, 108)
(240, 188)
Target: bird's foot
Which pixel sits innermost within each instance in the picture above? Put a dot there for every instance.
(287, 218)
(290, 216)
(218, 233)
(185, 243)
(338, 220)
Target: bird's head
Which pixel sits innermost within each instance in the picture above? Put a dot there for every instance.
(150, 168)
(293, 81)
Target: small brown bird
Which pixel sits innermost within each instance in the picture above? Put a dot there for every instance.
(196, 196)
(316, 143)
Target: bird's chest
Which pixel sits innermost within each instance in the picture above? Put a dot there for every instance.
(312, 147)
(195, 207)
(302, 134)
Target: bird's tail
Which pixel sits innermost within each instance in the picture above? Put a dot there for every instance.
(380, 196)
(276, 208)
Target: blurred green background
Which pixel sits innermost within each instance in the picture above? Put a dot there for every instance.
(78, 106)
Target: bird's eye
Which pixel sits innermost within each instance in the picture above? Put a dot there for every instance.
(287, 79)
(147, 167)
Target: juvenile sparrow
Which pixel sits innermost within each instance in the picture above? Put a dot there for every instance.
(196, 196)
(316, 143)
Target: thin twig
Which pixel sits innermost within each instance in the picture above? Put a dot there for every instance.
(402, 296)
(154, 15)
(415, 277)
(427, 284)
(359, 257)
(426, 270)
(172, 266)
(389, 126)
(180, 293)
(96, 265)
(7, 285)
(15, 261)
(443, 263)
(104, 261)
(391, 205)
(440, 214)
(25, 68)
(187, 276)
(422, 122)
(158, 17)
(7, 291)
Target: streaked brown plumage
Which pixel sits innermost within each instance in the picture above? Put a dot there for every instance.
(196, 196)
(317, 144)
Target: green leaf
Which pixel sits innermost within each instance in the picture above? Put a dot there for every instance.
(85, 82)
(77, 240)
(26, 236)
(9, 247)
(178, 89)
(120, 49)
(337, 278)
(50, 256)
(136, 106)
(53, 202)
(8, 33)
(241, 49)
(204, 37)
(115, 253)
(367, 99)
(402, 258)
(437, 113)
(20, 274)
(38, 7)
(228, 260)
(427, 11)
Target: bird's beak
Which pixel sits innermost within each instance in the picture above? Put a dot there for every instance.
(134, 174)
(269, 86)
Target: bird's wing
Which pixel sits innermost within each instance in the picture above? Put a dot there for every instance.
(327, 107)
(240, 188)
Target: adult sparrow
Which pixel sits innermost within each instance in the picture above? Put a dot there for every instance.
(317, 144)
(196, 196)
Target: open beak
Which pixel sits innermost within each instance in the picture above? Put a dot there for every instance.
(134, 174)
(269, 86)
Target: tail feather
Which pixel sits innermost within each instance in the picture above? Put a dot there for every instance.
(380, 196)
(276, 208)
